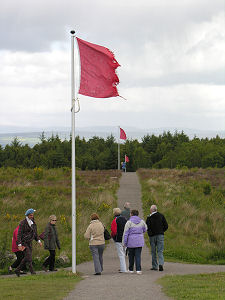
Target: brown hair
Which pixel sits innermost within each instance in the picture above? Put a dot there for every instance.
(94, 216)
(134, 212)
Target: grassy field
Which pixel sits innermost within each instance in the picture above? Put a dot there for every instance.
(49, 192)
(51, 286)
(193, 202)
(201, 287)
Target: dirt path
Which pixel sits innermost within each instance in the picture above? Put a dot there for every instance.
(112, 285)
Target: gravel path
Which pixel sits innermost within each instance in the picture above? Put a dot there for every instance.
(112, 285)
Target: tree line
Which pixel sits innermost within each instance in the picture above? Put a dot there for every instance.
(164, 151)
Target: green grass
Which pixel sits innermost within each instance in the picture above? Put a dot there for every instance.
(196, 218)
(49, 192)
(50, 286)
(201, 287)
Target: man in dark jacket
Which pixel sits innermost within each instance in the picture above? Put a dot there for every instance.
(157, 225)
(26, 234)
(117, 229)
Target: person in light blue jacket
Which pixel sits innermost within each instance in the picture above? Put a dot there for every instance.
(133, 239)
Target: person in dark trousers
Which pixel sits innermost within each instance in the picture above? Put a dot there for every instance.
(126, 212)
(117, 228)
(51, 241)
(19, 254)
(26, 234)
(133, 239)
(157, 225)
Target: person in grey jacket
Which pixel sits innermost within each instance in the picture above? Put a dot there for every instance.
(51, 240)
(126, 212)
(133, 239)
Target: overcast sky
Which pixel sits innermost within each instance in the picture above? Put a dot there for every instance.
(171, 52)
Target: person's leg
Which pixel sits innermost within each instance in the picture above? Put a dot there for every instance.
(100, 253)
(137, 252)
(160, 248)
(153, 243)
(121, 255)
(19, 258)
(52, 260)
(95, 255)
(27, 259)
(131, 254)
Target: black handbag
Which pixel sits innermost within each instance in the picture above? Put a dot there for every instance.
(107, 235)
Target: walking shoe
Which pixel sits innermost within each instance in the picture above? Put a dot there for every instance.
(154, 269)
(139, 272)
(54, 270)
(10, 269)
(17, 272)
(97, 274)
(23, 272)
(160, 268)
(130, 271)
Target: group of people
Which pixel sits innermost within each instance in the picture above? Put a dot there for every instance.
(22, 239)
(127, 231)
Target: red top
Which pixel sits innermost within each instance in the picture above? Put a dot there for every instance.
(113, 228)
(14, 239)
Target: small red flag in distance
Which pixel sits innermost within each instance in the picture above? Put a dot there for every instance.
(98, 71)
(126, 158)
(122, 134)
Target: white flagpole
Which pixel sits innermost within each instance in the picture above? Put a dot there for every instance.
(73, 97)
(118, 147)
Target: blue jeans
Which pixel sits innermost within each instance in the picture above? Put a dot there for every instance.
(134, 255)
(157, 245)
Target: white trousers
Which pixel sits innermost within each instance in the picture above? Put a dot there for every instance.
(121, 255)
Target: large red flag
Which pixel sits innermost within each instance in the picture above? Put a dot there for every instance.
(98, 71)
(122, 134)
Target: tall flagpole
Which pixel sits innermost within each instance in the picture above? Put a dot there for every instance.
(73, 97)
(118, 147)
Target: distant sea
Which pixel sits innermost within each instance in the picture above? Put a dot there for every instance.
(33, 137)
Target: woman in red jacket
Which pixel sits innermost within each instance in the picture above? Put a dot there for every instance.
(19, 254)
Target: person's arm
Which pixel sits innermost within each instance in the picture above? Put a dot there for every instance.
(87, 234)
(57, 239)
(145, 227)
(165, 224)
(47, 236)
(126, 234)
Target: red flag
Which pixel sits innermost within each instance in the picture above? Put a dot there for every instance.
(98, 71)
(122, 134)
(126, 158)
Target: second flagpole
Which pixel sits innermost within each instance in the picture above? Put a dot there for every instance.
(118, 147)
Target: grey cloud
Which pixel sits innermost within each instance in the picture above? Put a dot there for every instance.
(35, 25)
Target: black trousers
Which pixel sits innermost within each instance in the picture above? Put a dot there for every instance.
(19, 257)
(50, 261)
(27, 259)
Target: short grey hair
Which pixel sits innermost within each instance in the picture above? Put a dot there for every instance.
(116, 211)
(127, 205)
(153, 208)
(52, 217)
